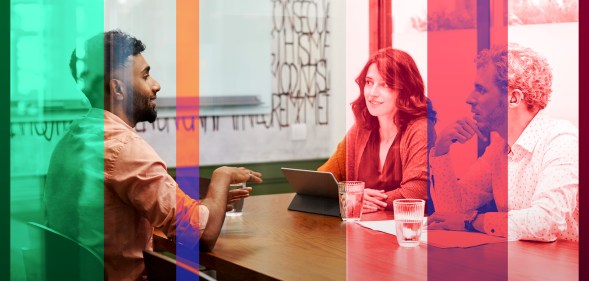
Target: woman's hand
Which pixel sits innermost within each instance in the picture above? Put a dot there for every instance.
(374, 200)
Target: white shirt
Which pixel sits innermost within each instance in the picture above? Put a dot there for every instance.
(542, 177)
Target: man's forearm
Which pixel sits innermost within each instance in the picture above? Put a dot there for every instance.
(216, 201)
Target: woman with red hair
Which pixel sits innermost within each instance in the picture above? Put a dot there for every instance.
(387, 147)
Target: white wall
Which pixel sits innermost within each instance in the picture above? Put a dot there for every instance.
(339, 81)
(154, 23)
(240, 139)
(559, 43)
(357, 51)
(254, 138)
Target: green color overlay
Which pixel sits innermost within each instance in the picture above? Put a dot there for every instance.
(44, 102)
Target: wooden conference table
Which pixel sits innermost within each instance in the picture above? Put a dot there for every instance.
(269, 242)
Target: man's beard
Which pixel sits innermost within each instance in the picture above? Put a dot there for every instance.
(141, 109)
(498, 118)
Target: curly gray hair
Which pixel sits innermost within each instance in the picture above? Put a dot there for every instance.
(520, 68)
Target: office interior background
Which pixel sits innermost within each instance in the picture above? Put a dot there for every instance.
(297, 59)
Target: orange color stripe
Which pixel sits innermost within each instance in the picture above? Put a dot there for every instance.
(187, 82)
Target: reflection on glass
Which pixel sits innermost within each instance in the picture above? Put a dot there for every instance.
(423, 15)
(542, 11)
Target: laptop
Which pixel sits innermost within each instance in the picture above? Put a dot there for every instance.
(316, 192)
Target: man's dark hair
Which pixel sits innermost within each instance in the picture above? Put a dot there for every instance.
(113, 48)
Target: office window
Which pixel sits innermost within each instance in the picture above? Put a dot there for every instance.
(542, 11)
(551, 28)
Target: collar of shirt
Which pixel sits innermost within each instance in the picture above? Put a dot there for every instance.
(529, 137)
(108, 117)
(498, 144)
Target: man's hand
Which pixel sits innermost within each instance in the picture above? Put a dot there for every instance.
(218, 196)
(235, 194)
(239, 175)
(447, 221)
(461, 131)
(374, 200)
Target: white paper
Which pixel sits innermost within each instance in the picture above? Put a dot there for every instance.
(443, 238)
(389, 227)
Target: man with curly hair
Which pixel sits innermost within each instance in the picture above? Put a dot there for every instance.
(531, 166)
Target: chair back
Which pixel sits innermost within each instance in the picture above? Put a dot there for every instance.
(54, 256)
(160, 267)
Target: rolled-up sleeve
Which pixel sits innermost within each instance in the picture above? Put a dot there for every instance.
(192, 219)
(139, 177)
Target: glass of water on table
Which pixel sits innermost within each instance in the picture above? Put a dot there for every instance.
(409, 221)
(351, 199)
(238, 205)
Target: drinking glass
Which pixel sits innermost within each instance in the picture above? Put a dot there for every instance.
(351, 199)
(408, 220)
(237, 206)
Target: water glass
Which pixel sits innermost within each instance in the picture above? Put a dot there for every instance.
(351, 199)
(237, 206)
(409, 221)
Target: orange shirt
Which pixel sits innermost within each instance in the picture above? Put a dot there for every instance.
(138, 194)
(346, 161)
